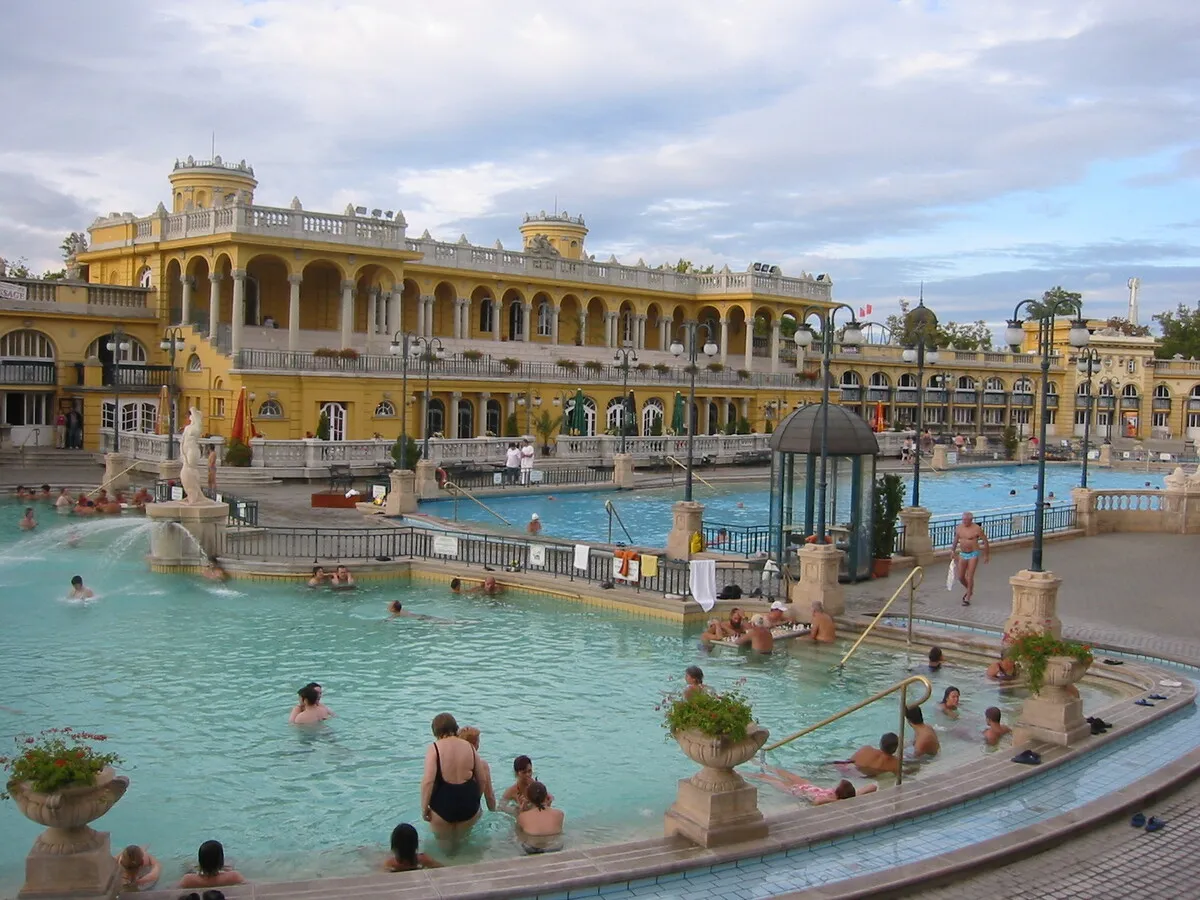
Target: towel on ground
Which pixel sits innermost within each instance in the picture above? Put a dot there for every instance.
(702, 581)
(649, 565)
(537, 554)
(582, 551)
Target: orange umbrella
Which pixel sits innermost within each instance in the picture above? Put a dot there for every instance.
(879, 426)
(240, 419)
(162, 423)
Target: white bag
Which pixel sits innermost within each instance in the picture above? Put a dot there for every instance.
(950, 573)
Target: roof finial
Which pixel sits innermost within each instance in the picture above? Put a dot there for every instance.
(921, 299)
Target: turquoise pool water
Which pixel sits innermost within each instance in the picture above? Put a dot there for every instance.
(647, 514)
(193, 682)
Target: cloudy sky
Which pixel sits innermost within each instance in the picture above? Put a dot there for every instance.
(991, 148)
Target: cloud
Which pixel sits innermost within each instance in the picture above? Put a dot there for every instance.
(884, 148)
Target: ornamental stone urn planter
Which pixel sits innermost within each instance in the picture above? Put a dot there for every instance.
(69, 858)
(716, 806)
(1055, 713)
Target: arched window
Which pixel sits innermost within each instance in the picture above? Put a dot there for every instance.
(1106, 389)
(1130, 390)
(466, 419)
(614, 416)
(492, 420)
(145, 277)
(336, 414)
(652, 416)
(908, 380)
(1081, 389)
(270, 409)
(1195, 394)
(26, 344)
(966, 383)
(435, 420)
(627, 328)
(1162, 392)
(136, 353)
(994, 384)
(545, 319)
(193, 364)
(385, 410)
(1051, 388)
(1023, 386)
(850, 379)
(487, 315)
(879, 379)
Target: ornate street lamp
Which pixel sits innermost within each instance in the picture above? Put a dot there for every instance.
(1088, 363)
(118, 344)
(172, 343)
(624, 356)
(689, 330)
(406, 345)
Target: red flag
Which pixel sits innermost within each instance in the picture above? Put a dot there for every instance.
(868, 309)
(862, 313)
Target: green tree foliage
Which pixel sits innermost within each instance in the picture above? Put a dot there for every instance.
(1058, 301)
(510, 426)
(1123, 326)
(967, 336)
(684, 266)
(323, 427)
(405, 455)
(1180, 333)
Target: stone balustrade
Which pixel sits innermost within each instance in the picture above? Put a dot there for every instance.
(76, 297)
(153, 447)
(1175, 510)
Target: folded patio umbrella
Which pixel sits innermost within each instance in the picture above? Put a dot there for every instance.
(577, 423)
(631, 416)
(240, 431)
(677, 415)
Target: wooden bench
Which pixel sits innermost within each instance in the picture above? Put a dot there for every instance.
(341, 478)
(751, 457)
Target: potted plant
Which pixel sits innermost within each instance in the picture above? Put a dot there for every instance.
(323, 427)
(593, 366)
(809, 374)
(1049, 661)
(690, 369)
(60, 780)
(472, 355)
(715, 367)
(238, 453)
(743, 374)
(643, 367)
(662, 368)
(715, 730)
(510, 363)
(348, 353)
(545, 424)
(889, 499)
(324, 353)
(569, 364)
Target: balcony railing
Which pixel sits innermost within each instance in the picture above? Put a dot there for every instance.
(1022, 399)
(1162, 402)
(1106, 402)
(906, 395)
(851, 394)
(935, 395)
(995, 398)
(878, 394)
(36, 372)
(1131, 402)
(1052, 401)
(135, 377)
(965, 397)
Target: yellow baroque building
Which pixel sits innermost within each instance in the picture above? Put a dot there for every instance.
(301, 308)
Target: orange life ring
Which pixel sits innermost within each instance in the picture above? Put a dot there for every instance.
(812, 539)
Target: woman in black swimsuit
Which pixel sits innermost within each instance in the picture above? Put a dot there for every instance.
(450, 787)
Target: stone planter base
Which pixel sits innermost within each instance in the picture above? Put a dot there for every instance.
(1055, 715)
(53, 872)
(715, 819)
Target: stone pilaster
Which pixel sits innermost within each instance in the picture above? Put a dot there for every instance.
(1085, 510)
(819, 566)
(917, 542)
(1105, 461)
(937, 460)
(1034, 604)
(116, 471)
(622, 471)
(402, 498)
(687, 518)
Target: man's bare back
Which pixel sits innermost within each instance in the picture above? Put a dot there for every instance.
(872, 761)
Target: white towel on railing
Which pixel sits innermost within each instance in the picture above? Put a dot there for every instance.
(537, 554)
(582, 551)
(702, 582)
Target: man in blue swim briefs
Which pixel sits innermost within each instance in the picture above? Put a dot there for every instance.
(968, 538)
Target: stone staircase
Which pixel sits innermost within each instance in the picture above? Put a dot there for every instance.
(236, 478)
(48, 458)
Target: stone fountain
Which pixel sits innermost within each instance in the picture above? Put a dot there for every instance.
(200, 522)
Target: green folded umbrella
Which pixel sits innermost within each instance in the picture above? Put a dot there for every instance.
(577, 424)
(631, 416)
(677, 415)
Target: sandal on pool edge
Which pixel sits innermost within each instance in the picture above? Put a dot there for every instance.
(1138, 820)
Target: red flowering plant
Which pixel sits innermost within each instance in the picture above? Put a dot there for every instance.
(727, 716)
(55, 759)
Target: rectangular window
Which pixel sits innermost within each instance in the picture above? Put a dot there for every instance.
(129, 417)
(993, 416)
(1103, 419)
(935, 415)
(107, 414)
(1193, 420)
(149, 418)
(1081, 417)
(1020, 416)
(964, 415)
(1051, 416)
(218, 407)
(1161, 420)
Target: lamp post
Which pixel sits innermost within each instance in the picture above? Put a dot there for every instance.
(1046, 310)
(429, 349)
(851, 337)
(1088, 362)
(624, 356)
(920, 326)
(401, 346)
(172, 343)
(530, 401)
(117, 345)
(690, 331)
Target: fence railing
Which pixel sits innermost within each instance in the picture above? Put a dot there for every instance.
(744, 540)
(516, 478)
(1006, 526)
(242, 511)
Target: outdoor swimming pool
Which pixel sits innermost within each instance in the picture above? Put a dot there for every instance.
(647, 513)
(193, 681)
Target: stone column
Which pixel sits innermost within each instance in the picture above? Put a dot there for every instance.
(394, 313)
(526, 321)
(1105, 460)
(402, 497)
(347, 317)
(554, 311)
(774, 351)
(1035, 603)
(622, 471)
(724, 342)
(185, 310)
(610, 329)
(214, 304)
(497, 315)
(687, 517)
(481, 421)
(917, 542)
(750, 345)
(510, 407)
(239, 311)
(294, 282)
(664, 334)
(452, 415)
(1085, 510)
(583, 328)
(819, 565)
(937, 460)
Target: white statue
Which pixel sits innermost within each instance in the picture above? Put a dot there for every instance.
(1177, 480)
(192, 458)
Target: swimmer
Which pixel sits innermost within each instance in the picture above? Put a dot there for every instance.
(456, 586)
(310, 710)
(138, 868)
(64, 502)
(1002, 670)
(949, 704)
(540, 827)
(925, 739)
(78, 591)
(935, 659)
(714, 632)
(341, 579)
(535, 524)
(761, 639)
(490, 587)
(211, 870)
(995, 730)
(405, 855)
(213, 572)
(806, 790)
(1012, 493)
(45, 494)
(319, 576)
(515, 796)
(396, 610)
(694, 676)
(986, 484)
(872, 761)
(29, 522)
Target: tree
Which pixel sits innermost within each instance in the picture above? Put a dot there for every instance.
(1180, 333)
(684, 266)
(971, 336)
(546, 424)
(511, 429)
(1124, 326)
(48, 275)
(406, 456)
(1057, 300)
(16, 269)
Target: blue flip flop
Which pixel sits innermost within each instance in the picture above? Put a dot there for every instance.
(1138, 820)
(1142, 702)
(1028, 758)
(1154, 823)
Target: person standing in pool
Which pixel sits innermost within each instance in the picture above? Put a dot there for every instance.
(759, 636)
(450, 789)
(29, 522)
(540, 826)
(310, 709)
(405, 855)
(78, 591)
(925, 740)
(535, 524)
(341, 579)
(969, 541)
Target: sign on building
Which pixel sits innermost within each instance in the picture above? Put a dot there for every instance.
(9, 291)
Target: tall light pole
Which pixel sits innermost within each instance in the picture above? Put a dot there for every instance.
(1088, 362)
(624, 356)
(851, 337)
(920, 327)
(690, 330)
(402, 347)
(117, 345)
(1046, 310)
(429, 350)
(530, 401)
(173, 343)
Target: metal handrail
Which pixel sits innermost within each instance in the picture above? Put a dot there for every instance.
(107, 481)
(695, 474)
(912, 582)
(612, 511)
(901, 686)
(36, 432)
(451, 486)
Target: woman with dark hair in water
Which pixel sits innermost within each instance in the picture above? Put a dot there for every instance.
(539, 826)
(405, 855)
(211, 871)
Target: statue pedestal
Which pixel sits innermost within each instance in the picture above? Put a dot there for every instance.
(917, 542)
(170, 469)
(937, 461)
(402, 497)
(687, 518)
(1034, 604)
(187, 534)
(981, 443)
(1055, 714)
(622, 471)
(1105, 460)
(116, 471)
(426, 484)
(89, 874)
(819, 565)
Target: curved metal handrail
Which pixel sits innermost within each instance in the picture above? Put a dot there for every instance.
(461, 491)
(912, 582)
(612, 511)
(901, 686)
(695, 474)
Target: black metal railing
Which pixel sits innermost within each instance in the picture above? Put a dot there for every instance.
(242, 510)
(1006, 526)
(130, 376)
(27, 372)
(745, 540)
(501, 477)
